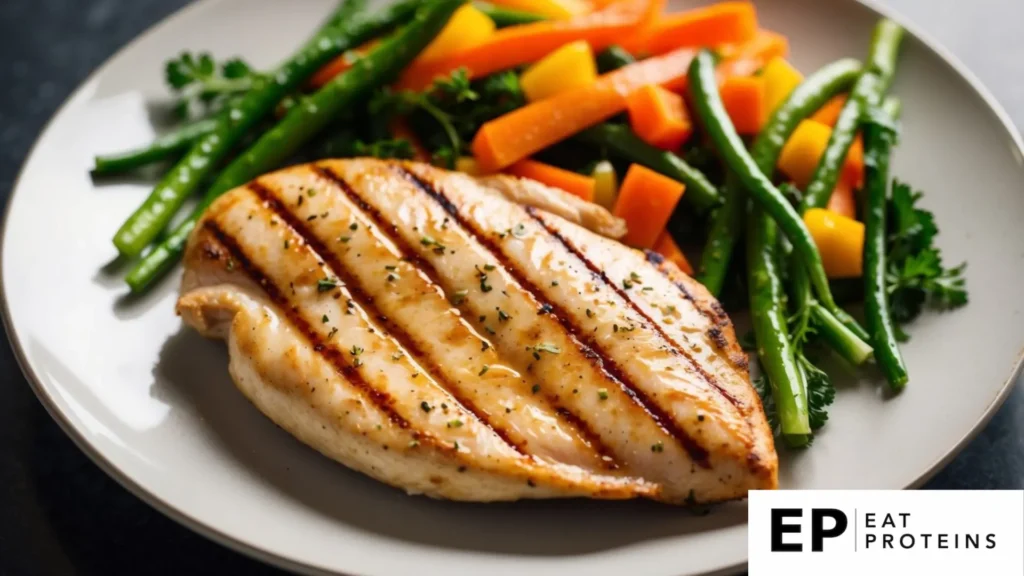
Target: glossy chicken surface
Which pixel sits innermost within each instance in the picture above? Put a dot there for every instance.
(474, 339)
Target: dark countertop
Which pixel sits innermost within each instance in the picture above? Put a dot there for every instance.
(59, 514)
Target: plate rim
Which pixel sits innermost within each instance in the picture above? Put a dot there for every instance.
(251, 550)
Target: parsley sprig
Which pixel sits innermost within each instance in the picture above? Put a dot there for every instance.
(447, 115)
(916, 275)
(203, 85)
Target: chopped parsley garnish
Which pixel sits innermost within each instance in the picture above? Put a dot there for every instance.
(325, 319)
(519, 230)
(543, 347)
(326, 284)
(425, 407)
(535, 389)
(456, 423)
(484, 370)
(602, 393)
(353, 226)
(658, 447)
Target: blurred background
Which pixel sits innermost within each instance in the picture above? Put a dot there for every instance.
(59, 514)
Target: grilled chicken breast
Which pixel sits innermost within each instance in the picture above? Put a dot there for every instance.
(474, 339)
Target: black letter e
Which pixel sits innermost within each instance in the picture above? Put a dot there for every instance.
(779, 528)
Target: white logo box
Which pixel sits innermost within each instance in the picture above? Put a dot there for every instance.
(903, 532)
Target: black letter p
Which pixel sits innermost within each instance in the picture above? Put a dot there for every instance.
(818, 532)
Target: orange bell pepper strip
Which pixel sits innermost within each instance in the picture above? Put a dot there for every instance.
(842, 200)
(669, 250)
(646, 200)
(829, 113)
(532, 128)
(659, 117)
(573, 183)
(549, 8)
(744, 101)
(724, 23)
(517, 45)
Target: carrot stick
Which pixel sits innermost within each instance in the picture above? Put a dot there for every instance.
(743, 98)
(829, 113)
(522, 132)
(571, 182)
(669, 250)
(340, 64)
(646, 200)
(842, 200)
(517, 45)
(659, 117)
(765, 45)
(725, 23)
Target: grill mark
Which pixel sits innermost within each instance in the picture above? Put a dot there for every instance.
(382, 400)
(587, 434)
(717, 317)
(365, 301)
(708, 378)
(608, 367)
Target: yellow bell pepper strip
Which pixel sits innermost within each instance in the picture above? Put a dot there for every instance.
(799, 157)
(840, 241)
(571, 66)
(550, 8)
(780, 78)
(468, 28)
(468, 165)
(606, 184)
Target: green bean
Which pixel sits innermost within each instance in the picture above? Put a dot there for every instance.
(620, 140)
(163, 148)
(235, 121)
(303, 122)
(727, 220)
(866, 94)
(612, 58)
(726, 231)
(878, 144)
(775, 350)
(346, 9)
(505, 17)
(708, 105)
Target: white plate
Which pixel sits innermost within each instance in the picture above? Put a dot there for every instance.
(152, 402)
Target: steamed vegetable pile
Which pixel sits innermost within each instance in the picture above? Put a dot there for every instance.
(692, 127)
